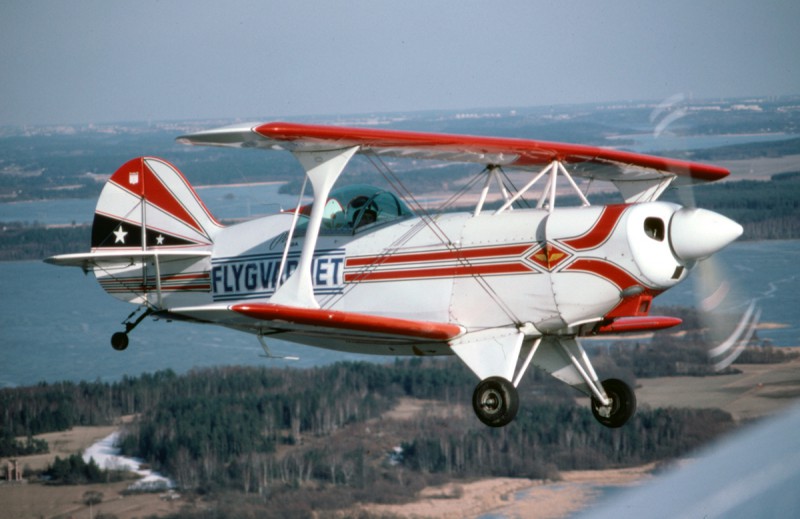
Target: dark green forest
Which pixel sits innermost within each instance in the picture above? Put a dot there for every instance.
(74, 470)
(304, 440)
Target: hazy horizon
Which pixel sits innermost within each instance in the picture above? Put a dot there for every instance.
(478, 111)
(92, 61)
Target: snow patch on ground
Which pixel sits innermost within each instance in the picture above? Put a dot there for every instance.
(106, 455)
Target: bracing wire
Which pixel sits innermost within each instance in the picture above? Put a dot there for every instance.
(426, 220)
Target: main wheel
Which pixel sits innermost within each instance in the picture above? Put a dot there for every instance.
(119, 341)
(621, 408)
(495, 401)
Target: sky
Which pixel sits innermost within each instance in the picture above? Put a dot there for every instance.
(102, 61)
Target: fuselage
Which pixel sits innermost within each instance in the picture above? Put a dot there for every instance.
(553, 270)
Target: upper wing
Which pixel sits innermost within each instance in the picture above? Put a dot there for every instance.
(587, 161)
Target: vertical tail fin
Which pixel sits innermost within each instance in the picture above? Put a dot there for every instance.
(148, 204)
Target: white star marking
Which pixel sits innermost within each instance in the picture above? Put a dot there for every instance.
(160, 239)
(120, 234)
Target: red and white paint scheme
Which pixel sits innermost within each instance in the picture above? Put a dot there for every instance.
(358, 270)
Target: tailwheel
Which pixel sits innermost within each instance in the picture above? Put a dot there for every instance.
(495, 401)
(621, 408)
(119, 341)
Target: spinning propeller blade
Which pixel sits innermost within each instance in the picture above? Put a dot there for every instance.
(728, 319)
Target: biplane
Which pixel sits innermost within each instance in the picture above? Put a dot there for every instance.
(368, 270)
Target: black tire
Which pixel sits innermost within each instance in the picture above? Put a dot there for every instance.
(623, 404)
(119, 341)
(495, 401)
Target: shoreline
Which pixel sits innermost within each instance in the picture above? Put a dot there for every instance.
(517, 497)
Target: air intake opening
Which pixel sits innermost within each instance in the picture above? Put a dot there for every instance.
(654, 228)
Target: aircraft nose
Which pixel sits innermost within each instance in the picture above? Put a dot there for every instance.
(698, 233)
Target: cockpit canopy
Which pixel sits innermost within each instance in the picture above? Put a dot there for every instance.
(350, 209)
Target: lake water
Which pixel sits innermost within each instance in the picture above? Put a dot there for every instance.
(56, 323)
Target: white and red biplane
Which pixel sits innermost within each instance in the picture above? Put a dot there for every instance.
(356, 270)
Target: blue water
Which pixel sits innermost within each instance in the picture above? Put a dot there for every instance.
(764, 271)
(55, 323)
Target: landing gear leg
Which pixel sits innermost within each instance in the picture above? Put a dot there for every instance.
(495, 401)
(119, 341)
(621, 407)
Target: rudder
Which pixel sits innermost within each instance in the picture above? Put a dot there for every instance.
(147, 203)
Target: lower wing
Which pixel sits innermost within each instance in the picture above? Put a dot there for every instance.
(268, 319)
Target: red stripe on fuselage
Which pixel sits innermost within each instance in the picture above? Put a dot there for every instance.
(600, 231)
(445, 255)
(438, 272)
(605, 270)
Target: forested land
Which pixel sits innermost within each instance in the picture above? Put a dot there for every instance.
(290, 441)
(23, 242)
(74, 470)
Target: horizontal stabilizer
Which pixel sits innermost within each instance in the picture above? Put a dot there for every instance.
(87, 260)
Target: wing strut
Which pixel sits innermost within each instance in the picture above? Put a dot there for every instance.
(565, 359)
(268, 353)
(322, 169)
(290, 234)
(552, 171)
(492, 173)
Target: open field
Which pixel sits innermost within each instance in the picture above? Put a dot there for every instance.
(758, 391)
(514, 498)
(761, 168)
(64, 444)
(35, 501)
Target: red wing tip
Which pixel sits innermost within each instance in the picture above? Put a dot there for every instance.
(637, 324)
